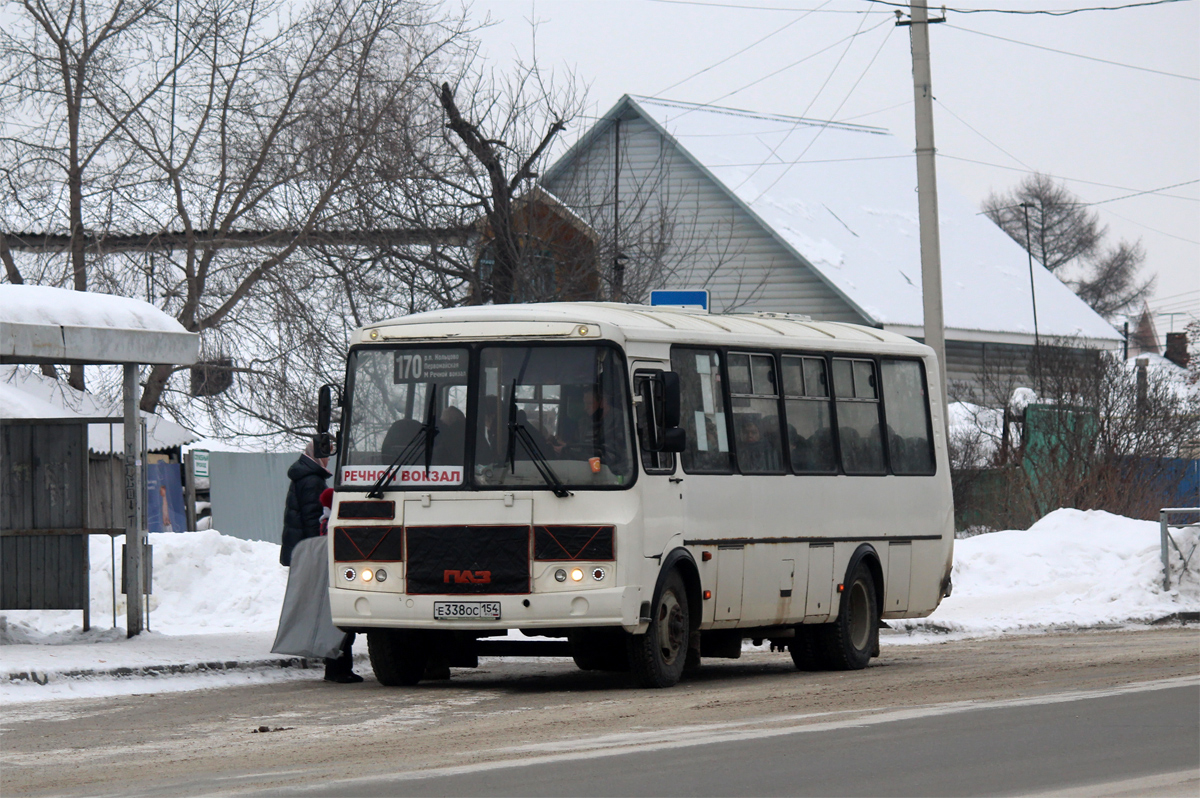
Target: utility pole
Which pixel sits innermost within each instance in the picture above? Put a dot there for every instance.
(1037, 340)
(927, 204)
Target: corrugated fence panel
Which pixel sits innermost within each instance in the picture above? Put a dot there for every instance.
(247, 491)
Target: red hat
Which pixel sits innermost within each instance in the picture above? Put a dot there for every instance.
(326, 497)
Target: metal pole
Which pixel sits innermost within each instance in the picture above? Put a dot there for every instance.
(1037, 341)
(931, 248)
(1166, 553)
(618, 262)
(134, 496)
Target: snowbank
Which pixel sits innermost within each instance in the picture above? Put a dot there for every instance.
(203, 582)
(1072, 568)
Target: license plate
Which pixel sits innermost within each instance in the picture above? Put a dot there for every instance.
(466, 610)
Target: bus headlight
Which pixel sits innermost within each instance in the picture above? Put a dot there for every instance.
(597, 574)
(367, 575)
(576, 574)
(381, 575)
(560, 575)
(349, 574)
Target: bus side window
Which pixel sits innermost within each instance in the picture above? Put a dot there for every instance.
(754, 395)
(652, 462)
(809, 419)
(856, 391)
(702, 411)
(906, 405)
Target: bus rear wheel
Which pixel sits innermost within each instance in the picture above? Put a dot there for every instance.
(397, 657)
(848, 643)
(656, 658)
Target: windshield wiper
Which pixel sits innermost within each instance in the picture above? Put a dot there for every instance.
(424, 435)
(518, 432)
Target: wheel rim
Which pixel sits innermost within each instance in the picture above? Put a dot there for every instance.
(672, 627)
(860, 616)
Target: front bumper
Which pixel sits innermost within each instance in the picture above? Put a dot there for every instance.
(615, 606)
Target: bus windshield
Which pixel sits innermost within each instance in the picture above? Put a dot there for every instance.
(543, 416)
(394, 395)
(572, 402)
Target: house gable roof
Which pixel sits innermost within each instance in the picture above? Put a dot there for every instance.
(841, 199)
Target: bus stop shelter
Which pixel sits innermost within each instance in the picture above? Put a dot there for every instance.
(44, 325)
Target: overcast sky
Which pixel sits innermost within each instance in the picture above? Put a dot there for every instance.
(1108, 130)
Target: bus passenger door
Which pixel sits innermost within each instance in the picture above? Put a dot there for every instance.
(661, 484)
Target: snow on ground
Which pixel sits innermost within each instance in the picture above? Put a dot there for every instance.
(216, 599)
(1073, 568)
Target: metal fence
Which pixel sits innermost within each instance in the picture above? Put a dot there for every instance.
(1168, 542)
(247, 491)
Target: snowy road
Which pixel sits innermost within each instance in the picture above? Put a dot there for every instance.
(204, 742)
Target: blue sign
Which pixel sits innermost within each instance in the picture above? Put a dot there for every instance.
(682, 299)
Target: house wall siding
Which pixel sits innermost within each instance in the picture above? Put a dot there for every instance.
(709, 241)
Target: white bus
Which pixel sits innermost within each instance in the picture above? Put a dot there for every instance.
(636, 487)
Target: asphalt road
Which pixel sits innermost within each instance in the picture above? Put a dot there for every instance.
(1099, 744)
(1099, 712)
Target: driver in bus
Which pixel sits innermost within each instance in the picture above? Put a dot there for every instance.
(603, 437)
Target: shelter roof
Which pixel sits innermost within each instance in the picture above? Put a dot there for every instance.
(842, 199)
(28, 395)
(41, 324)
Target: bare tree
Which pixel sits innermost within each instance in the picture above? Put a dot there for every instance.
(279, 123)
(66, 64)
(503, 132)
(1068, 239)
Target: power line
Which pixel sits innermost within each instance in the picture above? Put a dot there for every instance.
(977, 133)
(1148, 227)
(849, 43)
(739, 52)
(819, 9)
(808, 57)
(845, 99)
(1051, 12)
(1057, 177)
(1075, 55)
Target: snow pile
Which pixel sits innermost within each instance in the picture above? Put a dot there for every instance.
(203, 582)
(1072, 568)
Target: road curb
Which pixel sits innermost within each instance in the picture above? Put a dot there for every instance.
(44, 677)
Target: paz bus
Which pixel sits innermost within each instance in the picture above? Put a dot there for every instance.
(635, 487)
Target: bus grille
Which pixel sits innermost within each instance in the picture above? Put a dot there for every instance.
(456, 560)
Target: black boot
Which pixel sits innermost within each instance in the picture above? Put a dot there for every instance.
(340, 669)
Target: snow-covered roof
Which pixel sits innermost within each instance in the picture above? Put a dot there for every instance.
(843, 199)
(26, 394)
(41, 324)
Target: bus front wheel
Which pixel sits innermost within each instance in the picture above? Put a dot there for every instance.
(656, 658)
(397, 657)
(848, 643)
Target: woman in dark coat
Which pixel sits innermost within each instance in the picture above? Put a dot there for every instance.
(301, 520)
(302, 513)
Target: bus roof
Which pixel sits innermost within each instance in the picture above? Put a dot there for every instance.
(625, 321)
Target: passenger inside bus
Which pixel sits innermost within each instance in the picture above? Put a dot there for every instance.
(757, 452)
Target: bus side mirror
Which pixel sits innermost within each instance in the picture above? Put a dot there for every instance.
(670, 383)
(323, 441)
(324, 408)
(674, 440)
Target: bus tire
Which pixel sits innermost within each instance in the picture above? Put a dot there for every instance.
(657, 658)
(848, 643)
(598, 649)
(803, 649)
(398, 658)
